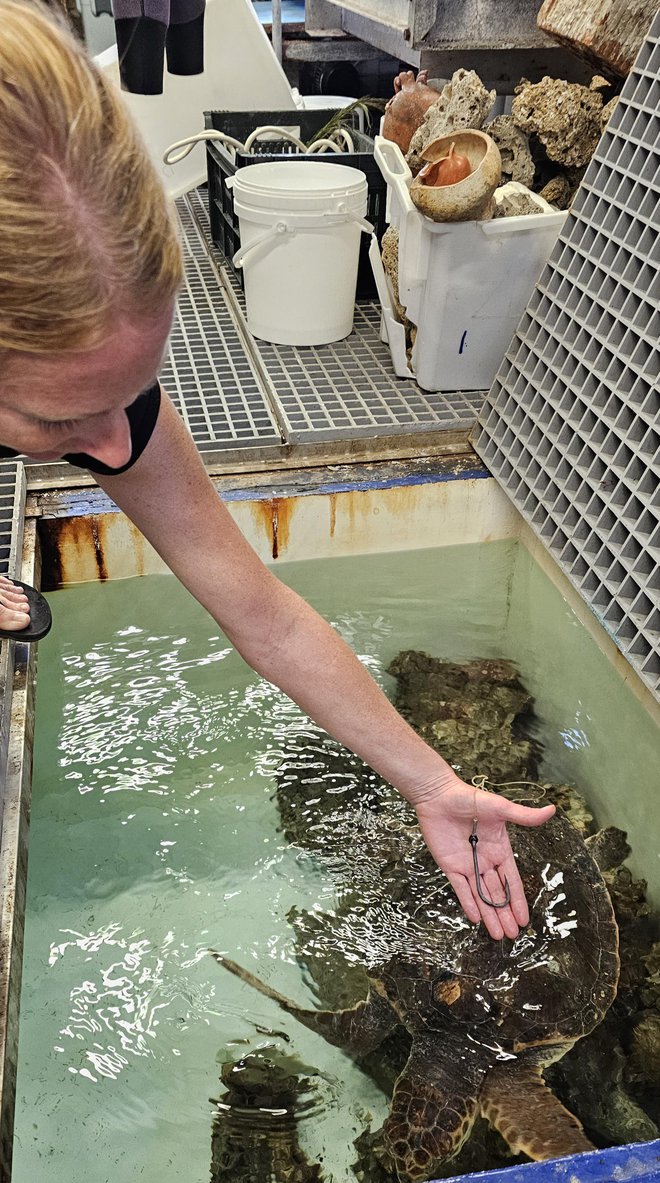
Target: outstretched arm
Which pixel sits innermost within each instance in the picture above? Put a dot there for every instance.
(170, 498)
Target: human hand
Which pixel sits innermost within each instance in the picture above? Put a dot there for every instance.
(445, 817)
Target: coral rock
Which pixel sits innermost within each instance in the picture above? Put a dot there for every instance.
(463, 103)
(557, 191)
(564, 115)
(517, 163)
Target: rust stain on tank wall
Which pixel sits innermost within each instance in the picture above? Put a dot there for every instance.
(332, 499)
(76, 549)
(274, 516)
(98, 549)
(361, 507)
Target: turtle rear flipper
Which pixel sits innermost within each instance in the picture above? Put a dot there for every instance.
(434, 1105)
(516, 1100)
(357, 1030)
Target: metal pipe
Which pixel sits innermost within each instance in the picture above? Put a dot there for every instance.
(276, 28)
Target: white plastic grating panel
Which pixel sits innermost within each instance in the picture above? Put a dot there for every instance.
(12, 503)
(345, 390)
(571, 426)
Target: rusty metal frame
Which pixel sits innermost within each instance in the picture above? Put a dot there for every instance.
(17, 688)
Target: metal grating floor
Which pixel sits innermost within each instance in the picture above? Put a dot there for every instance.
(208, 373)
(571, 426)
(345, 390)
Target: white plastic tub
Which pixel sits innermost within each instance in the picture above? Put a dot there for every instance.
(463, 284)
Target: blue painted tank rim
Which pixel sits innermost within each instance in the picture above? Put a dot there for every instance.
(638, 1162)
(353, 486)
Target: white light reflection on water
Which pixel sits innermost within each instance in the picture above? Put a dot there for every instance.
(131, 989)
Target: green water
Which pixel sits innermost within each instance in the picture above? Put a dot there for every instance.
(154, 835)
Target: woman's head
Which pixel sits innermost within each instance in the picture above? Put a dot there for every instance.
(90, 260)
(87, 235)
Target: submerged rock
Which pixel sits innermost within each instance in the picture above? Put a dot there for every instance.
(472, 713)
(609, 847)
(255, 1127)
(573, 804)
(644, 1063)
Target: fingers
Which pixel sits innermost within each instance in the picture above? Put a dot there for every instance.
(493, 922)
(494, 889)
(524, 815)
(491, 807)
(465, 897)
(497, 922)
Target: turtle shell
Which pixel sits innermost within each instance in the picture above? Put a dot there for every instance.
(552, 985)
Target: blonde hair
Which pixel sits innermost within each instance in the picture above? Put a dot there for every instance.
(87, 233)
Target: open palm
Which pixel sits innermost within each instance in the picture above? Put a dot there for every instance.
(445, 820)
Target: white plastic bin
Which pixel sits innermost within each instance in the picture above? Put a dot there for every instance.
(464, 285)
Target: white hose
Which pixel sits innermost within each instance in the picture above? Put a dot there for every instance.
(346, 136)
(267, 129)
(171, 156)
(179, 150)
(319, 146)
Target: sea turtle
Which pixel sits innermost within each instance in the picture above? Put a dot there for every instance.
(485, 1017)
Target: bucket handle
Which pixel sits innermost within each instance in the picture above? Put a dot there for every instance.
(259, 245)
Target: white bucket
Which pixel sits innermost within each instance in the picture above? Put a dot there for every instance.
(300, 224)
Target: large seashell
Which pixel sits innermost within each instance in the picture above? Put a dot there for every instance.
(469, 199)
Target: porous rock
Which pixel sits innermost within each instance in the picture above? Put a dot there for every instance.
(606, 113)
(565, 117)
(464, 103)
(557, 191)
(514, 205)
(389, 249)
(517, 163)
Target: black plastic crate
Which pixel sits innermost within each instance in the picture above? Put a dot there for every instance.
(239, 124)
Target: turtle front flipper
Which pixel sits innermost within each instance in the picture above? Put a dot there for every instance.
(358, 1029)
(434, 1105)
(516, 1100)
